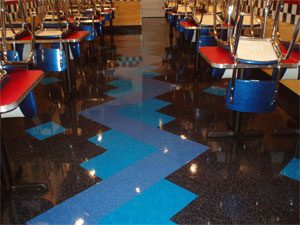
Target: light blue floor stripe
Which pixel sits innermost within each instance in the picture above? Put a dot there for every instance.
(122, 152)
(102, 199)
(153, 206)
(292, 170)
(171, 153)
(124, 87)
(150, 88)
(153, 119)
(145, 112)
(152, 104)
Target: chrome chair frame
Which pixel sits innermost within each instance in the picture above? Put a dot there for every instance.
(4, 20)
(234, 41)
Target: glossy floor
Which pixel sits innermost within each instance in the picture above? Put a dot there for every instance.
(131, 146)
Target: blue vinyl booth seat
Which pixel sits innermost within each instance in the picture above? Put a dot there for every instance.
(108, 17)
(188, 35)
(51, 59)
(172, 20)
(206, 39)
(12, 57)
(75, 49)
(99, 28)
(252, 96)
(178, 27)
(89, 28)
(28, 106)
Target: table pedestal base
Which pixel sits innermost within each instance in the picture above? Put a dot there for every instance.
(224, 134)
(236, 130)
(7, 180)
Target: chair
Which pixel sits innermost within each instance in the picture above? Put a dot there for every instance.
(75, 49)
(90, 28)
(203, 15)
(51, 59)
(9, 61)
(247, 96)
(253, 96)
(28, 106)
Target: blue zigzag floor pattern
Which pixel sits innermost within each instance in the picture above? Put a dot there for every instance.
(139, 156)
(292, 169)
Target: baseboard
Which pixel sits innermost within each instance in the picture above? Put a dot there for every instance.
(124, 30)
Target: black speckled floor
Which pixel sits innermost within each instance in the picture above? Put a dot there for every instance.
(236, 181)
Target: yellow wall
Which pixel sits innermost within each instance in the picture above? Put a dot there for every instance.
(128, 13)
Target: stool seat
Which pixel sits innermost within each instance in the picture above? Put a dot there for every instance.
(207, 19)
(183, 9)
(19, 32)
(211, 9)
(50, 17)
(247, 20)
(171, 5)
(51, 33)
(256, 51)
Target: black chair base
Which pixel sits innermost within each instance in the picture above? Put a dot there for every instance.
(225, 134)
(286, 132)
(7, 180)
(34, 188)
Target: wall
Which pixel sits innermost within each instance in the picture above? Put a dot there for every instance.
(290, 14)
(152, 8)
(128, 13)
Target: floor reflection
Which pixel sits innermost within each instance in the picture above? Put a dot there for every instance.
(234, 182)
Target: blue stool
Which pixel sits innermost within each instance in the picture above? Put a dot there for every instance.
(247, 96)
(99, 28)
(205, 39)
(91, 37)
(28, 106)
(12, 57)
(91, 30)
(51, 59)
(188, 35)
(178, 27)
(75, 49)
(108, 17)
(172, 20)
